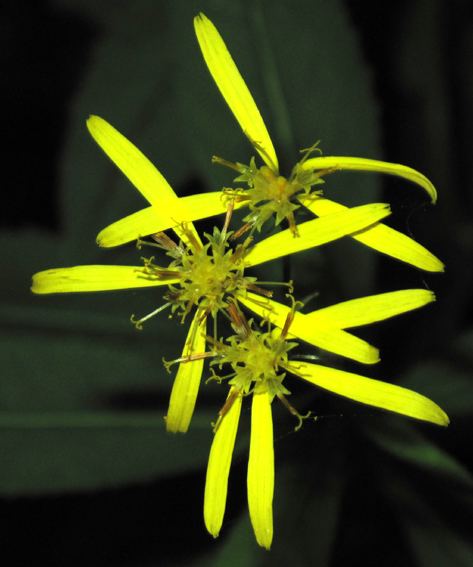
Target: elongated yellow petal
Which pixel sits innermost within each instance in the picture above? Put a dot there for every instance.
(93, 278)
(186, 384)
(366, 165)
(132, 162)
(134, 226)
(316, 232)
(318, 333)
(152, 220)
(384, 239)
(218, 468)
(371, 392)
(233, 88)
(372, 308)
(260, 478)
(139, 170)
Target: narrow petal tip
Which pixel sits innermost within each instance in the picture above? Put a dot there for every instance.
(438, 416)
(93, 121)
(34, 284)
(445, 420)
(375, 358)
(375, 166)
(430, 295)
(99, 240)
(440, 267)
(200, 16)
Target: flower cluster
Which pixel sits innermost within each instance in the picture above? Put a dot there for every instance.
(208, 278)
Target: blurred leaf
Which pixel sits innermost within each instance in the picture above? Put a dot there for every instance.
(25, 252)
(70, 412)
(53, 317)
(50, 372)
(402, 441)
(448, 386)
(423, 51)
(463, 345)
(434, 542)
(103, 12)
(307, 500)
(129, 84)
(56, 452)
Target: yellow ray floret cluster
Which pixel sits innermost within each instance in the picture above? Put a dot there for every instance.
(259, 362)
(269, 192)
(207, 278)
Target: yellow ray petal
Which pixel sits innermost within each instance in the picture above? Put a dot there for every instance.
(134, 226)
(233, 88)
(152, 220)
(137, 167)
(218, 468)
(384, 239)
(93, 278)
(372, 308)
(371, 392)
(260, 478)
(316, 232)
(319, 334)
(364, 164)
(132, 162)
(186, 384)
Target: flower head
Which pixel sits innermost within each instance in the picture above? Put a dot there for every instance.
(259, 362)
(200, 277)
(268, 193)
(204, 276)
(207, 274)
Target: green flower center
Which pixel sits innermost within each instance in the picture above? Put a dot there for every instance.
(269, 193)
(257, 359)
(207, 274)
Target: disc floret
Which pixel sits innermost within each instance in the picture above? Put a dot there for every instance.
(270, 193)
(208, 274)
(257, 359)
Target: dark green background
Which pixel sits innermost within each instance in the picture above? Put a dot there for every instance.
(88, 477)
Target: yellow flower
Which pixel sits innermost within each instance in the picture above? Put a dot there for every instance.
(259, 361)
(200, 276)
(270, 193)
